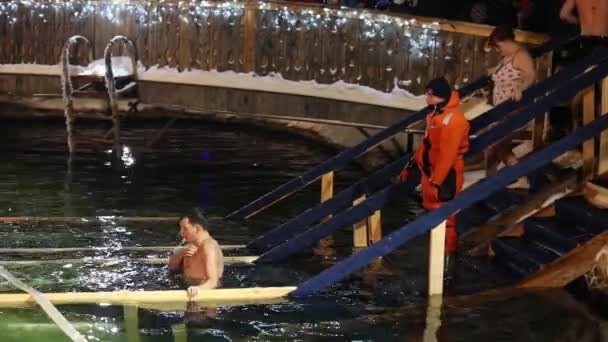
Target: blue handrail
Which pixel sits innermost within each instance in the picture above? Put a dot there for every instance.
(380, 178)
(467, 198)
(376, 201)
(348, 155)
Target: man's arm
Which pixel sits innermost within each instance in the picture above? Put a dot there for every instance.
(566, 12)
(176, 259)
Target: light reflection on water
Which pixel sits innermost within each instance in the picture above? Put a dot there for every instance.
(219, 168)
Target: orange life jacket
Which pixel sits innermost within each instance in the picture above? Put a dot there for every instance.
(446, 140)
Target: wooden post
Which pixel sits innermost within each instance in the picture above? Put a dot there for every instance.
(360, 236)
(249, 36)
(180, 333)
(131, 313)
(589, 145)
(538, 132)
(327, 192)
(436, 260)
(327, 186)
(603, 153)
(433, 319)
(375, 227)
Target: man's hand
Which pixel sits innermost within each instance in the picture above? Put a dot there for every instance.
(191, 250)
(193, 291)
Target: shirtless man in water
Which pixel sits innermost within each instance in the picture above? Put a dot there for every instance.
(201, 260)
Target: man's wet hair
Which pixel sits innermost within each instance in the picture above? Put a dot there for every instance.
(197, 216)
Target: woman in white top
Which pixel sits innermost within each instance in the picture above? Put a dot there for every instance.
(511, 77)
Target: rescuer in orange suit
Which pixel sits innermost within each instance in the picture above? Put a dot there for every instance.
(440, 157)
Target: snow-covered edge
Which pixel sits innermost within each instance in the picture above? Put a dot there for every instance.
(275, 83)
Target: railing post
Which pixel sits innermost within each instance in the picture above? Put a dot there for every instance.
(433, 319)
(360, 230)
(603, 153)
(180, 332)
(131, 320)
(327, 192)
(375, 227)
(249, 36)
(589, 145)
(327, 186)
(436, 260)
(538, 134)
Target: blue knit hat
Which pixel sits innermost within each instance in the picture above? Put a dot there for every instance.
(439, 87)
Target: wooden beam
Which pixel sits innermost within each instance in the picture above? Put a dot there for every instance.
(603, 153)
(249, 36)
(49, 309)
(360, 237)
(61, 219)
(569, 267)
(247, 295)
(180, 332)
(433, 319)
(131, 319)
(100, 249)
(588, 116)
(147, 261)
(375, 227)
(327, 186)
(436, 260)
(539, 132)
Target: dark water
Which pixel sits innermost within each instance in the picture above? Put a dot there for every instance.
(220, 167)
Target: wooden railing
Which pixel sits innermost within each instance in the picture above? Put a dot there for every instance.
(298, 41)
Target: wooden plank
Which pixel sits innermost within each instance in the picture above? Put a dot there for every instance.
(588, 116)
(375, 227)
(180, 332)
(360, 237)
(131, 319)
(247, 295)
(98, 249)
(147, 261)
(569, 267)
(327, 186)
(538, 133)
(603, 152)
(186, 35)
(436, 259)
(45, 304)
(249, 37)
(75, 219)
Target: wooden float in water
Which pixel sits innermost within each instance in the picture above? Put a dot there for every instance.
(101, 249)
(75, 219)
(148, 261)
(151, 298)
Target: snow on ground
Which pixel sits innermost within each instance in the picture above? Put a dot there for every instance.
(397, 98)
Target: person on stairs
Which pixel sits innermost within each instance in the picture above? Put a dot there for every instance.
(440, 157)
(514, 74)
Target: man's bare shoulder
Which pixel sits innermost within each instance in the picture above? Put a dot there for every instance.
(210, 244)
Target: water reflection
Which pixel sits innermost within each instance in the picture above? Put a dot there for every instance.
(386, 302)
